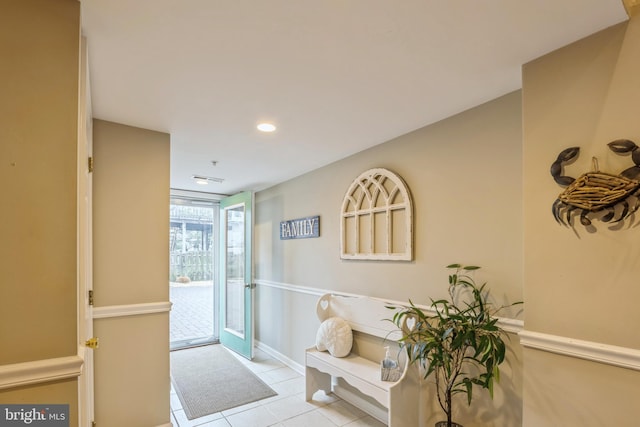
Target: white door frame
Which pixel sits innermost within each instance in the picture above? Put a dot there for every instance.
(84, 241)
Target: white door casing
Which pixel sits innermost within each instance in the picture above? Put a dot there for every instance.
(84, 242)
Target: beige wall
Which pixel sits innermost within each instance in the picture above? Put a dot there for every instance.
(465, 176)
(39, 42)
(131, 266)
(132, 371)
(39, 110)
(131, 211)
(61, 392)
(580, 283)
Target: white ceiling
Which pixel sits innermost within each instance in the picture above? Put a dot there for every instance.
(335, 76)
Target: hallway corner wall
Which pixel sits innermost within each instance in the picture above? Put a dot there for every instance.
(131, 271)
(580, 282)
(38, 260)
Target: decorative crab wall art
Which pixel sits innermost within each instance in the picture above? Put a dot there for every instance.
(611, 197)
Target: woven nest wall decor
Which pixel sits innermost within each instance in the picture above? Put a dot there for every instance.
(596, 194)
(377, 218)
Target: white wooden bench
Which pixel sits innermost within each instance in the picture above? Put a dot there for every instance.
(399, 401)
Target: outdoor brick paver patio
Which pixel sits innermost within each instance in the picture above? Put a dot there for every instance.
(192, 310)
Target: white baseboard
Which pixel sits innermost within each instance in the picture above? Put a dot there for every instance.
(280, 357)
(360, 403)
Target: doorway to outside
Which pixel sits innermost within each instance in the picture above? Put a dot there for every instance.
(193, 274)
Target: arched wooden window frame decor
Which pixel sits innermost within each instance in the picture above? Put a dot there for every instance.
(377, 218)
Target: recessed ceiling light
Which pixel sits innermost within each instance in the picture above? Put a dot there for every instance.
(266, 127)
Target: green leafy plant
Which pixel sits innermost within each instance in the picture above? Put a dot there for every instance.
(461, 344)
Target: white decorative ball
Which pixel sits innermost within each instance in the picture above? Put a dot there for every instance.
(335, 335)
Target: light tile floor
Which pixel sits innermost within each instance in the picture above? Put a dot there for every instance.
(287, 409)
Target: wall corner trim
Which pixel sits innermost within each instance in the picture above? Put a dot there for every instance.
(40, 371)
(622, 357)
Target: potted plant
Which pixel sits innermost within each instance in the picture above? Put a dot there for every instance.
(460, 344)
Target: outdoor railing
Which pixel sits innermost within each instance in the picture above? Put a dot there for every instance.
(196, 265)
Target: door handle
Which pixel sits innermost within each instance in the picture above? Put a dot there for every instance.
(250, 286)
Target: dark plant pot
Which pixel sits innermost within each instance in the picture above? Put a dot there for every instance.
(444, 424)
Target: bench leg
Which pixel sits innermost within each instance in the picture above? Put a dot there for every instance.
(316, 380)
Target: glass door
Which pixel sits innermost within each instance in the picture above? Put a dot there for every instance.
(193, 247)
(236, 273)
